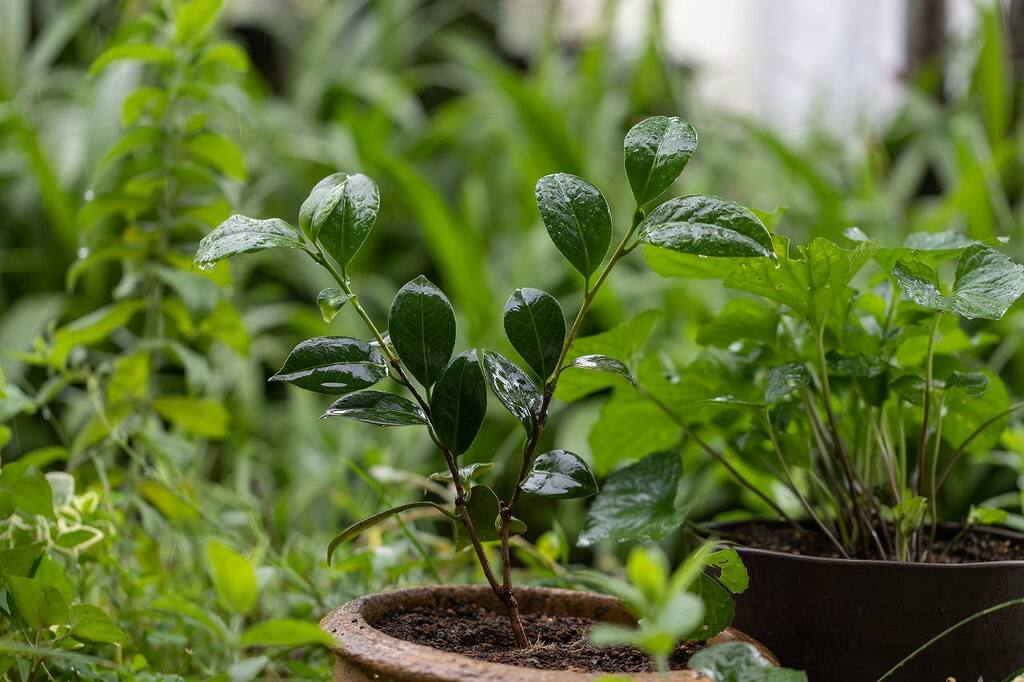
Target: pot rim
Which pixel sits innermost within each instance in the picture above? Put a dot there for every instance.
(880, 563)
(360, 642)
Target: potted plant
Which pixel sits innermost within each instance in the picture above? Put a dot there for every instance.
(446, 395)
(858, 396)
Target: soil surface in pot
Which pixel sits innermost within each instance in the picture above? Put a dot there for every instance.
(974, 546)
(559, 642)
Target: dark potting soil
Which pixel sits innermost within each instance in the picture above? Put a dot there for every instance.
(973, 546)
(557, 642)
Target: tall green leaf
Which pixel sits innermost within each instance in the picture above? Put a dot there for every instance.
(377, 407)
(656, 151)
(535, 325)
(422, 327)
(560, 474)
(578, 219)
(345, 215)
(459, 402)
(512, 387)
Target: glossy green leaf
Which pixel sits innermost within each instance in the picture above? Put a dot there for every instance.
(740, 320)
(602, 363)
(973, 384)
(241, 234)
(38, 604)
(810, 283)
(316, 196)
(333, 364)
(785, 379)
(638, 502)
(360, 527)
(377, 407)
(560, 474)
(202, 416)
(234, 577)
(512, 387)
(740, 662)
(623, 342)
(285, 632)
(707, 226)
(422, 327)
(987, 284)
(731, 571)
(459, 402)
(194, 19)
(656, 151)
(344, 216)
(535, 325)
(577, 218)
(471, 472)
(966, 412)
(91, 624)
(331, 300)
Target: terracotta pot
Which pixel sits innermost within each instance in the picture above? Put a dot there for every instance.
(842, 619)
(365, 653)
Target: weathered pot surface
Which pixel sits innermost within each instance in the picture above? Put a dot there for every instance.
(850, 620)
(366, 653)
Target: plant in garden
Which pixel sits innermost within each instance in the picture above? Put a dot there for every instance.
(447, 395)
(861, 399)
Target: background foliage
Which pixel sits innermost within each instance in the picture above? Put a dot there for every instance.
(170, 506)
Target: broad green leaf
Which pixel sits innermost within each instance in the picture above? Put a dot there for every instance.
(377, 407)
(194, 19)
(785, 379)
(688, 265)
(358, 528)
(344, 216)
(459, 402)
(234, 577)
(287, 632)
(93, 328)
(623, 342)
(38, 604)
(973, 384)
(422, 327)
(333, 364)
(602, 363)
(535, 325)
(577, 218)
(732, 573)
(741, 319)
(50, 572)
(142, 52)
(18, 561)
(630, 426)
(809, 284)
(471, 472)
(202, 416)
(241, 234)
(707, 226)
(637, 502)
(966, 412)
(316, 196)
(560, 474)
(656, 151)
(91, 624)
(331, 301)
(986, 516)
(24, 490)
(218, 152)
(512, 388)
(740, 662)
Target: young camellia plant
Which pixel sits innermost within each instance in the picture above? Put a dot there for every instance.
(447, 395)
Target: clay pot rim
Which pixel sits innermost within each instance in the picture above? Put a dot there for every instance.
(889, 564)
(358, 641)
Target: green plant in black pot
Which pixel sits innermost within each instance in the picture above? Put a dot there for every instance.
(444, 392)
(860, 392)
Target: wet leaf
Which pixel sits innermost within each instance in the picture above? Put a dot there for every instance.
(577, 217)
(241, 234)
(637, 502)
(560, 474)
(656, 151)
(623, 342)
(344, 216)
(377, 407)
(330, 301)
(459, 402)
(973, 384)
(471, 472)
(602, 363)
(422, 327)
(535, 325)
(785, 379)
(316, 196)
(333, 364)
(740, 662)
(512, 388)
(707, 226)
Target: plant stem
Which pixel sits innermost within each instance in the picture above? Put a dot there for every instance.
(923, 440)
(504, 593)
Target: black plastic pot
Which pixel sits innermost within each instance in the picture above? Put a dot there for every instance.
(851, 621)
